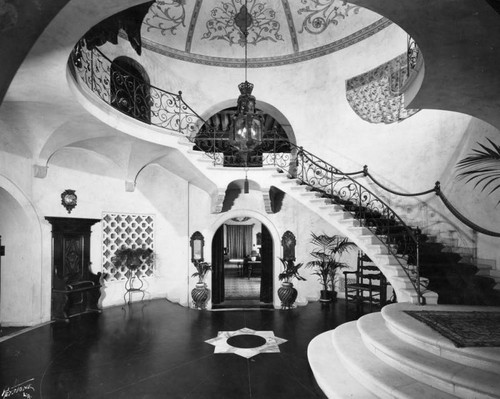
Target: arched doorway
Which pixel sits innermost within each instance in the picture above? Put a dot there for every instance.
(242, 264)
(214, 135)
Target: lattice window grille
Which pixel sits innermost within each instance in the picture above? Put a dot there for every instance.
(130, 231)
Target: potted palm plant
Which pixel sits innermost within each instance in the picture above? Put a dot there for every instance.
(287, 293)
(200, 293)
(483, 167)
(326, 262)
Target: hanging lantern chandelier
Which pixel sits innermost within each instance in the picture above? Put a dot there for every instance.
(247, 123)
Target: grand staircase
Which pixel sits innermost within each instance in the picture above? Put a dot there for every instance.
(401, 252)
(389, 354)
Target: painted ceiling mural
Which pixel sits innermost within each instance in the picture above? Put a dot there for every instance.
(279, 31)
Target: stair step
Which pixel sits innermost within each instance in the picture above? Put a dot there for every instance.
(187, 143)
(444, 374)
(376, 375)
(338, 382)
(425, 338)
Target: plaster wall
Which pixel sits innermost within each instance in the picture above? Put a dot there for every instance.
(26, 268)
(292, 216)
(408, 156)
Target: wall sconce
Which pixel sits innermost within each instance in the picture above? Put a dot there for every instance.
(68, 199)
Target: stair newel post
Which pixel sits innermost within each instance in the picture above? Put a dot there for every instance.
(362, 215)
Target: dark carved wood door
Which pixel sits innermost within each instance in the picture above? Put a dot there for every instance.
(70, 262)
(218, 267)
(266, 251)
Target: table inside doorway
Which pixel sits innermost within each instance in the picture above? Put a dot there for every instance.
(254, 266)
(239, 265)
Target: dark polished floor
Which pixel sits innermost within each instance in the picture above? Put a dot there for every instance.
(157, 350)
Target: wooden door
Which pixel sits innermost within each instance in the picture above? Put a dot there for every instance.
(266, 251)
(218, 266)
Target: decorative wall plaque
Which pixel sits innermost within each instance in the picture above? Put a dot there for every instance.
(68, 199)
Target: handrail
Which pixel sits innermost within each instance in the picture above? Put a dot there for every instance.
(170, 111)
(133, 96)
(436, 189)
(370, 210)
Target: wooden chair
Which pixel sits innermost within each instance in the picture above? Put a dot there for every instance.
(365, 285)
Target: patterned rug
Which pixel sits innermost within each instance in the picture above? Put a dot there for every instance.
(463, 328)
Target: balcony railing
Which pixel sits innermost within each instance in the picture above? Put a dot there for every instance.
(166, 110)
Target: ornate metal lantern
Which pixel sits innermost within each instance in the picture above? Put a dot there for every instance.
(247, 124)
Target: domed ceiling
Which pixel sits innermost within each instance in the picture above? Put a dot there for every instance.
(279, 31)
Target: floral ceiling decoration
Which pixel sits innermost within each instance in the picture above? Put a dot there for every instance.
(323, 13)
(375, 95)
(263, 25)
(280, 31)
(166, 16)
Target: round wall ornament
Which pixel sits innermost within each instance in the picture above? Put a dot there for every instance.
(68, 199)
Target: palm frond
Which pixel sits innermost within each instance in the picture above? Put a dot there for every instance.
(482, 167)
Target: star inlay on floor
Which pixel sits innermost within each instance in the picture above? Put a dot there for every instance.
(246, 342)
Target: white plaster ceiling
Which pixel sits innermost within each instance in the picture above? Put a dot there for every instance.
(281, 31)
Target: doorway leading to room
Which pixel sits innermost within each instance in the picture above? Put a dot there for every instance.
(242, 259)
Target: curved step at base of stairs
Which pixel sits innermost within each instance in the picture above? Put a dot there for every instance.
(332, 377)
(416, 333)
(456, 378)
(368, 359)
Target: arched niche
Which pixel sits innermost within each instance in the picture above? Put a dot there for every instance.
(24, 292)
(130, 89)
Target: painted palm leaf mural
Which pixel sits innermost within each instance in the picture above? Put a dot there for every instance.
(482, 167)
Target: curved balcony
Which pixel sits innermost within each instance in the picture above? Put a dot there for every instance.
(379, 95)
(131, 94)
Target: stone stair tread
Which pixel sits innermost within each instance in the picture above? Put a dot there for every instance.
(450, 376)
(417, 333)
(337, 382)
(375, 374)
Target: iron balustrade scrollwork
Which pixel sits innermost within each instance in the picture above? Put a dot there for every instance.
(370, 210)
(169, 111)
(412, 54)
(132, 95)
(218, 143)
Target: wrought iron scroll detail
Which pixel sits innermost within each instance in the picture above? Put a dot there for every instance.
(376, 95)
(371, 211)
(167, 110)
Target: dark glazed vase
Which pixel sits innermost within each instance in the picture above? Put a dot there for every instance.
(326, 296)
(200, 295)
(287, 294)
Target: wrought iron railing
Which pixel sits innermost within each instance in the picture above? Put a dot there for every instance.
(169, 110)
(412, 54)
(369, 209)
(131, 94)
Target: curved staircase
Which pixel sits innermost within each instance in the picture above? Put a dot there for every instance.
(389, 354)
(339, 198)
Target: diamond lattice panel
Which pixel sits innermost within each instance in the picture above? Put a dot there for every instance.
(130, 231)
